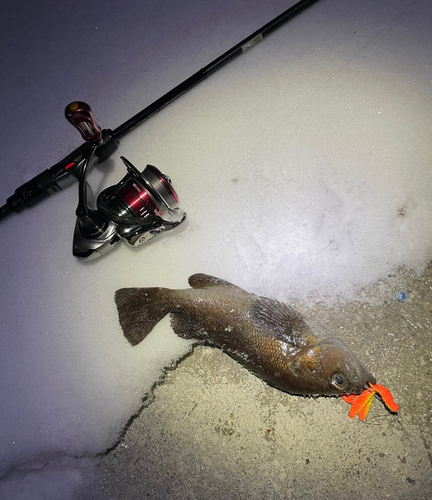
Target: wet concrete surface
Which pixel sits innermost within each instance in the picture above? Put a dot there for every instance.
(211, 430)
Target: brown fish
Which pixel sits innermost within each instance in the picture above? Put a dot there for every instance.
(273, 341)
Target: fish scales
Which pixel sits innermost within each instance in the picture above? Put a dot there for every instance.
(269, 338)
(225, 320)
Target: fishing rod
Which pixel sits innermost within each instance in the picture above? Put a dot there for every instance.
(143, 204)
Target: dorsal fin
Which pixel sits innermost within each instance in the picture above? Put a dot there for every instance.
(279, 320)
(201, 280)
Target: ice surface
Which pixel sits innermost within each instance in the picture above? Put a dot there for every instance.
(52, 479)
(304, 167)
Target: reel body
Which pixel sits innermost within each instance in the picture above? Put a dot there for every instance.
(142, 204)
(138, 208)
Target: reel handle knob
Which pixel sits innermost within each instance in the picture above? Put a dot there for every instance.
(80, 115)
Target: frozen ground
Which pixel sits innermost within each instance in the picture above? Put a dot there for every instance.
(305, 170)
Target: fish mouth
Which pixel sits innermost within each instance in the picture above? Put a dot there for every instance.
(370, 380)
(364, 376)
(364, 379)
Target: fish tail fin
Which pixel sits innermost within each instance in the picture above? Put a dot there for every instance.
(139, 310)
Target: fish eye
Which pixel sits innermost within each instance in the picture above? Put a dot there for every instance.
(338, 380)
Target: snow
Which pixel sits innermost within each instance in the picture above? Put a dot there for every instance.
(304, 167)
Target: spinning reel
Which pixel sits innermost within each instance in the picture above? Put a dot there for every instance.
(138, 208)
(142, 204)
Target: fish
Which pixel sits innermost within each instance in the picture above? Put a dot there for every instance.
(269, 338)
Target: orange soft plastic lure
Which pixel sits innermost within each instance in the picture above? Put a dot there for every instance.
(362, 403)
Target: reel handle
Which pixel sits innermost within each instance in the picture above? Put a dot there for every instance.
(80, 115)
